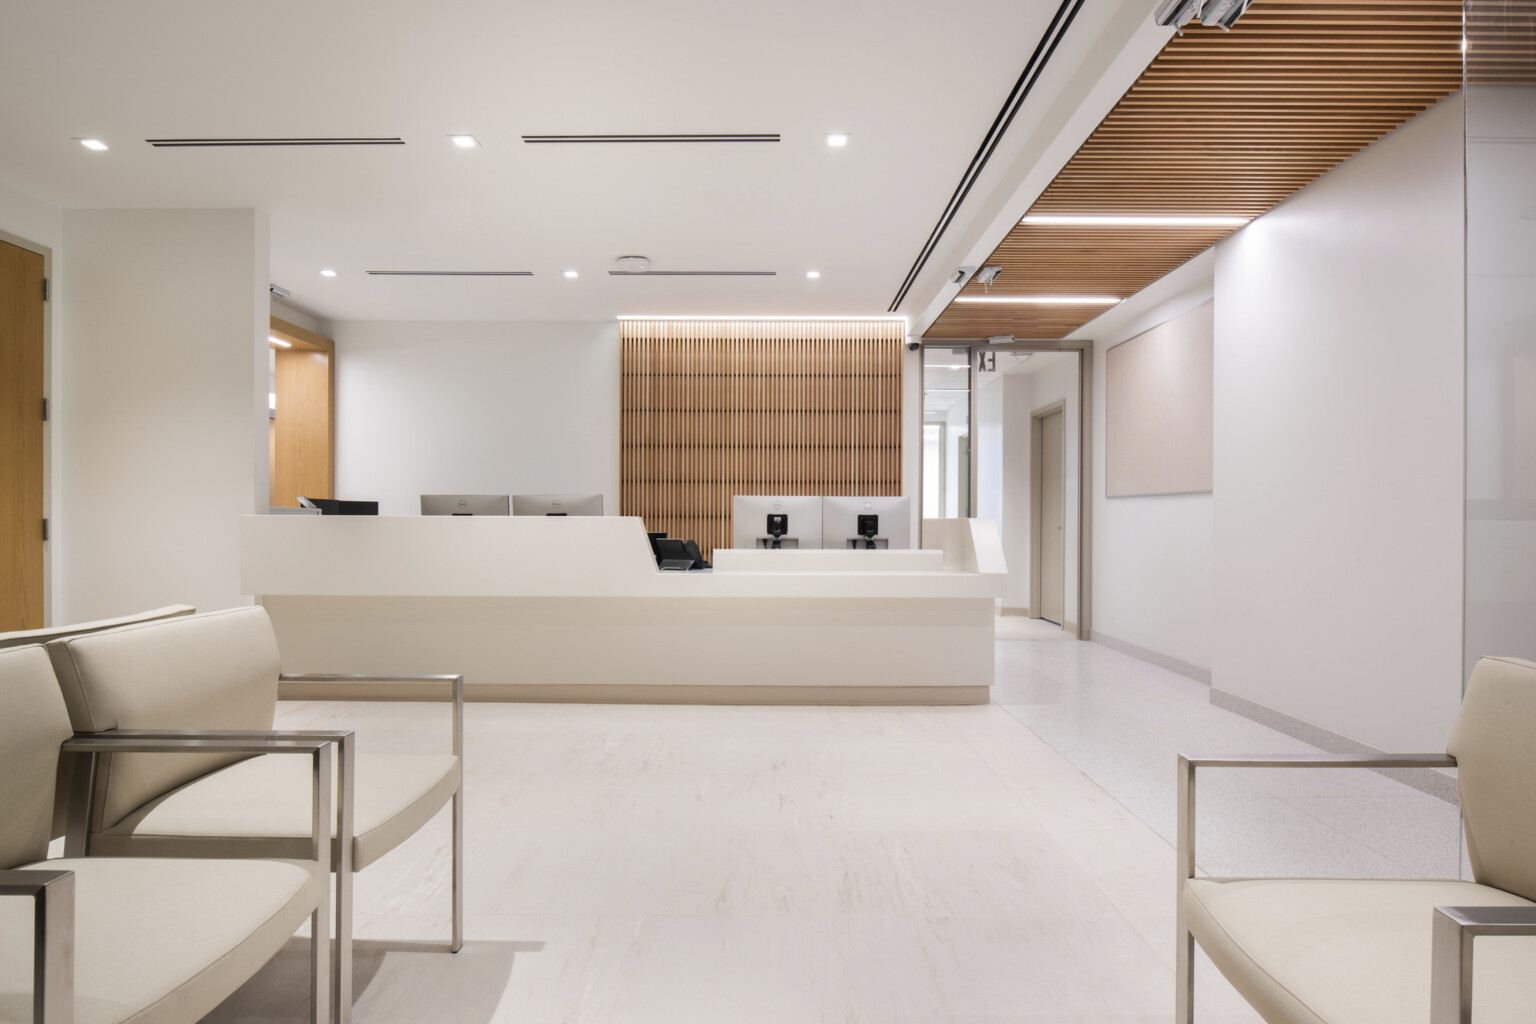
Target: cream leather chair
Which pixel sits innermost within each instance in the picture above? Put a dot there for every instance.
(139, 941)
(26, 637)
(220, 671)
(1345, 951)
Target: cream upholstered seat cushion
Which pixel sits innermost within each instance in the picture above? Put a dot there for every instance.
(1345, 951)
(269, 796)
(160, 940)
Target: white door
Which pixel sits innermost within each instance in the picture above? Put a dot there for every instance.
(1051, 521)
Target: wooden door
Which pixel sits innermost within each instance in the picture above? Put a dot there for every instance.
(1052, 518)
(21, 438)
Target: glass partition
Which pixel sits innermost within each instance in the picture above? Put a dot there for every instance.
(1500, 80)
(946, 433)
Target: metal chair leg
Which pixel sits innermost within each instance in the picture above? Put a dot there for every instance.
(1184, 992)
(458, 869)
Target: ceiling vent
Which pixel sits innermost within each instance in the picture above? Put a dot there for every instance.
(692, 137)
(450, 273)
(191, 143)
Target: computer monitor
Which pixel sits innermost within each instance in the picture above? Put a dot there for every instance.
(756, 518)
(557, 504)
(864, 522)
(464, 504)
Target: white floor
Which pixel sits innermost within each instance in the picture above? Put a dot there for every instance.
(710, 864)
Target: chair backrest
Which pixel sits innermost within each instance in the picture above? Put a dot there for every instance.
(213, 671)
(22, 638)
(1494, 743)
(33, 723)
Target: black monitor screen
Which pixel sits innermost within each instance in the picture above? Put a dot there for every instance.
(869, 526)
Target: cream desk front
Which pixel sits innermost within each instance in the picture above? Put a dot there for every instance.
(574, 609)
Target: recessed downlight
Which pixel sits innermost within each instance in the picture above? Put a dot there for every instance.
(464, 141)
(813, 274)
(1041, 300)
(1133, 221)
(94, 144)
(327, 272)
(572, 274)
(837, 138)
(279, 342)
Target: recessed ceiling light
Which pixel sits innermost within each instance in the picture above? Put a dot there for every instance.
(837, 139)
(327, 272)
(1134, 221)
(95, 144)
(813, 274)
(274, 339)
(1042, 300)
(571, 273)
(464, 141)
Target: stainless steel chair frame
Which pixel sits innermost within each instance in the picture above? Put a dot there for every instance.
(53, 891)
(1454, 926)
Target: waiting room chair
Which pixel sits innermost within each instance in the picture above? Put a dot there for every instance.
(27, 637)
(133, 940)
(1347, 951)
(219, 672)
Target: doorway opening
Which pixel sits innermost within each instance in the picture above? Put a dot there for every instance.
(301, 445)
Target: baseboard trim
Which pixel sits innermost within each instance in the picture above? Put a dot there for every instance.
(1020, 612)
(1167, 661)
(619, 693)
(1435, 782)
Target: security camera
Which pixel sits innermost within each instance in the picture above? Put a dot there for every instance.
(913, 346)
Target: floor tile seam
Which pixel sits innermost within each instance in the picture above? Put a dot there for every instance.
(1360, 842)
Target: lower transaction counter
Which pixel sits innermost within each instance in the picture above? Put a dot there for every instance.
(574, 609)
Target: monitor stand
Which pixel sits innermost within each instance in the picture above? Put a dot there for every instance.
(784, 542)
(862, 543)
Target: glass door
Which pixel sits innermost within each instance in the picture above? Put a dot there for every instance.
(947, 460)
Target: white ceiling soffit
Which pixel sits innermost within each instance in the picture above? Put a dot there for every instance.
(914, 83)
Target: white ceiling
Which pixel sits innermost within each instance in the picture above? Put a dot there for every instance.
(915, 82)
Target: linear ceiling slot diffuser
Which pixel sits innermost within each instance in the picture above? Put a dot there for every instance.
(685, 137)
(450, 273)
(188, 143)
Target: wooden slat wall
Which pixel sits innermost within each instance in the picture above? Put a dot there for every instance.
(716, 408)
(1230, 124)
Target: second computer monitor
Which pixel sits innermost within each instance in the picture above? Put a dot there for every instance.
(862, 522)
(557, 504)
(756, 518)
(463, 504)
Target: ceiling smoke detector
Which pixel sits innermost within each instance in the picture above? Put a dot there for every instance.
(633, 264)
(987, 275)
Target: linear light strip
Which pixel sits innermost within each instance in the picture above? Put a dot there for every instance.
(450, 273)
(700, 137)
(1133, 221)
(791, 319)
(185, 143)
(693, 273)
(1042, 300)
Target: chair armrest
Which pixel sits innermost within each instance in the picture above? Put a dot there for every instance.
(244, 742)
(53, 942)
(454, 684)
(1187, 766)
(1450, 989)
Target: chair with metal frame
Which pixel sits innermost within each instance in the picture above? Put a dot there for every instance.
(1349, 951)
(134, 939)
(218, 674)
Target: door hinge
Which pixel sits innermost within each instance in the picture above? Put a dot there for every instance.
(47, 290)
(45, 529)
(45, 410)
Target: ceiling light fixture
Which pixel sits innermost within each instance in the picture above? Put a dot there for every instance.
(1133, 221)
(327, 272)
(464, 141)
(1042, 300)
(572, 274)
(95, 144)
(813, 274)
(837, 138)
(279, 342)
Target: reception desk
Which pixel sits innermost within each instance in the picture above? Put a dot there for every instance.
(574, 609)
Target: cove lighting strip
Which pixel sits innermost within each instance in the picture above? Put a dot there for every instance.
(1042, 300)
(795, 319)
(1065, 220)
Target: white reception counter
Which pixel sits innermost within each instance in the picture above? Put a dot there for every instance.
(574, 609)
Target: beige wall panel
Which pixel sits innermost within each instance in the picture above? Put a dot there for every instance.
(1158, 409)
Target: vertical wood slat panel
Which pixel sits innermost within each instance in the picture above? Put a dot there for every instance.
(716, 408)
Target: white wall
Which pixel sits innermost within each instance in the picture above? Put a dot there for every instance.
(475, 408)
(39, 225)
(1338, 446)
(1152, 555)
(164, 398)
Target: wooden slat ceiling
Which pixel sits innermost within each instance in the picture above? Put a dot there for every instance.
(1219, 124)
